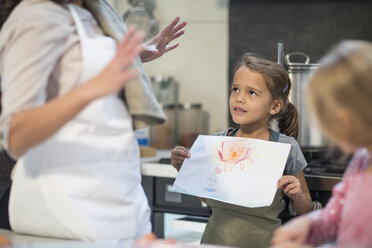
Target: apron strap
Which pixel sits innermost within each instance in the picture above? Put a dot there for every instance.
(79, 25)
(274, 136)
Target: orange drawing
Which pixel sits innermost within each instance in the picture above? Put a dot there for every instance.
(231, 155)
(234, 154)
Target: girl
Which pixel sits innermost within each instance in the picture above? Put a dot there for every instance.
(77, 174)
(340, 93)
(259, 93)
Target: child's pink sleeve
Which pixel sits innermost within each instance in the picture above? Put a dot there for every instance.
(326, 221)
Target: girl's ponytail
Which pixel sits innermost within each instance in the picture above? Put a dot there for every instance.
(288, 120)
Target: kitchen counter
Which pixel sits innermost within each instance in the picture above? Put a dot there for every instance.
(150, 166)
(25, 241)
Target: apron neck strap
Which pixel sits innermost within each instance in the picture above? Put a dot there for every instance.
(79, 25)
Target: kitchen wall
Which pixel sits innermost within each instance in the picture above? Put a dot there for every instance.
(200, 63)
(310, 26)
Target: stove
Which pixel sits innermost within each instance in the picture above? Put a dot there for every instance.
(324, 161)
(325, 169)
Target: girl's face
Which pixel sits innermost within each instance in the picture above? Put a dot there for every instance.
(251, 102)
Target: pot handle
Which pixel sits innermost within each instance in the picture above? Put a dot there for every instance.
(288, 56)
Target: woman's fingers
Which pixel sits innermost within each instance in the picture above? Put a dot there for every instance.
(128, 75)
(119, 71)
(122, 47)
(178, 34)
(170, 27)
(130, 47)
(172, 31)
(175, 33)
(171, 47)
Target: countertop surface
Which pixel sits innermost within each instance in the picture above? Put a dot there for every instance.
(25, 241)
(150, 166)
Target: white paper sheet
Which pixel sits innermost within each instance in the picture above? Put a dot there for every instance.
(235, 170)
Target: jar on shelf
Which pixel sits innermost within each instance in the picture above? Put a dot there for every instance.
(190, 123)
(164, 136)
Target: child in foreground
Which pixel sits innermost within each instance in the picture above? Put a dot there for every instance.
(340, 95)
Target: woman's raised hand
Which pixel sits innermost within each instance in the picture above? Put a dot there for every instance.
(160, 44)
(38, 124)
(119, 71)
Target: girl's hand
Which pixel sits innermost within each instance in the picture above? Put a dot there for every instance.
(119, 71)
(291, 186)
(295, 231)
(178, 155)
(159, 45)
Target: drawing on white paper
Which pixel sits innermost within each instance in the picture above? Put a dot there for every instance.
(211, 181)
(235, 155)
(240, 171)
(230, 155)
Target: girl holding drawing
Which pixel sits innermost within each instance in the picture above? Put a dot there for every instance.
(259, 94)
(339, 93)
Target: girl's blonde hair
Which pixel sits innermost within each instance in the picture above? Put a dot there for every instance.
(341, 87)
(278, 82)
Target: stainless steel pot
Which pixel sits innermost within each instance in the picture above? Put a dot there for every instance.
(300, 72)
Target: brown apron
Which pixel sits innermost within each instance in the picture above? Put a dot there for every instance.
(233, 225)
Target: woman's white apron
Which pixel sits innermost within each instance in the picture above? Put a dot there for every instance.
(84, 182)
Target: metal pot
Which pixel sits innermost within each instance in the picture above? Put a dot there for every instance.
(190, 123)
(300, 73)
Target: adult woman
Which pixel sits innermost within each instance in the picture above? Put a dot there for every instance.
(77, 157)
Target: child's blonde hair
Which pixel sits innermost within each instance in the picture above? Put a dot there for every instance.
(343, 85)
(279, 84)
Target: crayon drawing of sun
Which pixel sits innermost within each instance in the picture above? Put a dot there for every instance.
(238, 154)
